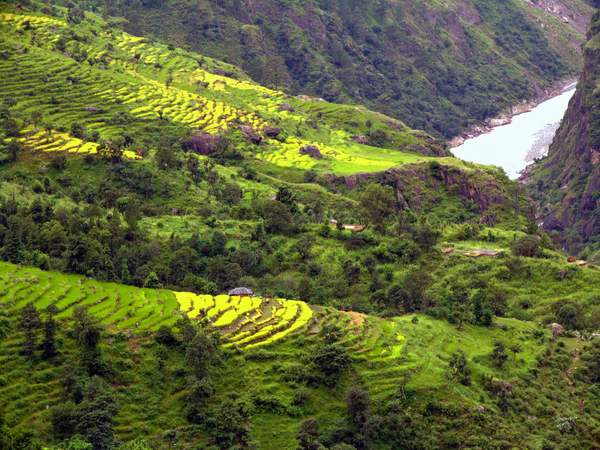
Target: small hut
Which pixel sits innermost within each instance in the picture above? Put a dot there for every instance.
(240, 292)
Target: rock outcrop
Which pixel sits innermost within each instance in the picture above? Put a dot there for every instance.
(566, 182)
(286, 107)
(250, 134)
(204, 143)
(311, 150)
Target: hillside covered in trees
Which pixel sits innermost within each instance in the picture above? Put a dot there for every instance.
(402, 298)
(435, 66)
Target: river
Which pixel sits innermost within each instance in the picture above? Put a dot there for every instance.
(513, 146)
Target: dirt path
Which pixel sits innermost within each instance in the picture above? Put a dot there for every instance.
(567, 373)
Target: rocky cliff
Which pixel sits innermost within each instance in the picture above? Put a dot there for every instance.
(566, 183)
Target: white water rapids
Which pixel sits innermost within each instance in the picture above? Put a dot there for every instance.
(514, 146)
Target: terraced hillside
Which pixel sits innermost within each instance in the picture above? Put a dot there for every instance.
(64, 76)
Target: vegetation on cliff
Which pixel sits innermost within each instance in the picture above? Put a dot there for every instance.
(565, 183)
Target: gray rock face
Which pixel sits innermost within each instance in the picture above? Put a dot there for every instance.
(311, 151)
(360, 139)
(204, 143)
(250, 134)
(272, 132)
(91, 109)
(286, 107)
(556, 328)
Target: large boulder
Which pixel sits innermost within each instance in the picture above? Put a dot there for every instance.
(272, 132)
(204, 143)
(311, 151)
(250, 134)
(91, 109)
(286, 107)
(556, 328)
(359, 138)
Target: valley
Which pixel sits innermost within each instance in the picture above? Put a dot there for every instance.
(156, 157)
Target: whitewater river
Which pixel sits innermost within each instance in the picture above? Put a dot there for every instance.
(514, 146)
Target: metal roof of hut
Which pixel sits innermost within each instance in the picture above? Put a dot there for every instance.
(240, 291)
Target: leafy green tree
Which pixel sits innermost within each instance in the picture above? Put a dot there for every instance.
(165, 336)
(200, 390)
(275, 73)
(95, 414)
(459, 314)
(458, 368)
(201, 353)
(170, 437)
(226, 423)
(286, 196)
(503, 401)
(517, 348)
(591, 362)
(187, 329)
(527, 246)
(376, 204)
(332, 360)
(50, 326)
(30, 323)
(152, 281)
(88, 332)
(13, 250)
(36, 116)
(357, 403)
(499, 354)
(309, 434)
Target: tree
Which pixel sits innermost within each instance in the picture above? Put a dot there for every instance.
(95, 414)
(332, 360)
(199, 392)
(503, 401)
(170, 437)
(277, 216)
(357, 403)
(458, 369)
(200, 354)
(49, 341)
(165, 336)
(29, 322)
(152, 281)
(517, 348)
(526, 246)
(499, 354)
(276, 73)
(376, 204)
(591, 362)
(13, 250)
(459, 314)
(309, 434)
(514, 192)
(36, 117)
(88, 332)
(286, 196)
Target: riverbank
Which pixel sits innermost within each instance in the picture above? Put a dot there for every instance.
(506, 117)
(525, 138)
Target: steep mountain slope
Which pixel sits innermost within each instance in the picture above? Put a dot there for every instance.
(433, 65)
(567, 181)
